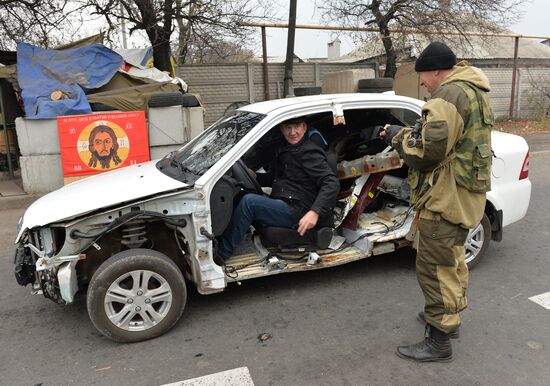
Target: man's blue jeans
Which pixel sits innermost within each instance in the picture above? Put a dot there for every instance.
(253, 209)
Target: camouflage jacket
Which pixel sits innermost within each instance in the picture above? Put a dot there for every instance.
(450, 173)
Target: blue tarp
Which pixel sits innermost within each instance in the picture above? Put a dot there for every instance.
(72, 71)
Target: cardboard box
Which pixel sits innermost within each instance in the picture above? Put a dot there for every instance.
(13, 141)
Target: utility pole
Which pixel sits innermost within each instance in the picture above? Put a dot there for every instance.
(265, 68)
(288, 84)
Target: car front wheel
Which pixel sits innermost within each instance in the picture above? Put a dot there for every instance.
(477, 242)
(136, 295)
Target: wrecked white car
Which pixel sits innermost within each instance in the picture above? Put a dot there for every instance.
(130, 238)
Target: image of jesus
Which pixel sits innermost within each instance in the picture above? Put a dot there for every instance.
(103, 147)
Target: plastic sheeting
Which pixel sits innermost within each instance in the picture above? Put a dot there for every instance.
(72, 71)
(127, 93)
(138, 57)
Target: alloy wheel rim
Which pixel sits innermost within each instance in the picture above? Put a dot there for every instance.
(474, 243)
(138, 300)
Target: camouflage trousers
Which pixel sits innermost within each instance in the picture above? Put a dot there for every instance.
(442, 272)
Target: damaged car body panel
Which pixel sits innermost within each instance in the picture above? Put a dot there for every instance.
(130, 238)
(83, 196)
(58, 247)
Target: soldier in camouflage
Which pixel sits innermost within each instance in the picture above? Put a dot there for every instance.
(449, 174)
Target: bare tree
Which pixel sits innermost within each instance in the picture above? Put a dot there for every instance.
(212, 26)
(431, 17)
(538, 94)
(217, 51)
(42, 22)
(201, 23)
(154, 17)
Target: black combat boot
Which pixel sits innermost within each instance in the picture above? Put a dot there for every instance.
(422, 319)
(436, 347)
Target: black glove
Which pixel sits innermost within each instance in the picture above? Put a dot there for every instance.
(391, 132)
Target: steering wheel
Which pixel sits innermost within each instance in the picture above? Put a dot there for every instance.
(245, 178)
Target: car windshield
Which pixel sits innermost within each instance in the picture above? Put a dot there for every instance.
(193, 160)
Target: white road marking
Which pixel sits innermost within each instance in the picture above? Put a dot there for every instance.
(542, 300)
(235, 377)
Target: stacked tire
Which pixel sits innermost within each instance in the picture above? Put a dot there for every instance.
(168, 99)
(162, 99)
(375, 85)
(304, 91)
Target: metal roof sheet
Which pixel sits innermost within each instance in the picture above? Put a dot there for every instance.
(477, 47)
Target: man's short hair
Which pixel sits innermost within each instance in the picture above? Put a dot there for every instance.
(294, 121)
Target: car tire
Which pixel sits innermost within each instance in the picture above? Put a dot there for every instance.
(378, 83)
(373, 90)
(190, 101)
(477, 242)
(166, 99)
(126, 312)
(303, 91)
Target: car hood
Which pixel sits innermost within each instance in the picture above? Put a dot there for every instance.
(96, 192)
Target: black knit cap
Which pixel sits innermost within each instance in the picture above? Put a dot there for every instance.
(437, 56)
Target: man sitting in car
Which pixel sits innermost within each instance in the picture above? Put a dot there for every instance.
(304, 190)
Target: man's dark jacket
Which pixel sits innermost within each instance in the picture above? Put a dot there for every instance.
(302, 177)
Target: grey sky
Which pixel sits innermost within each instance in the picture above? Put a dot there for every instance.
(311, 43)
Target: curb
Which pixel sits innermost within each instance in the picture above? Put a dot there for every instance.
(17, 202)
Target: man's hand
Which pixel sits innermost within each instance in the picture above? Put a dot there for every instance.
(389, 131)
(307, 222)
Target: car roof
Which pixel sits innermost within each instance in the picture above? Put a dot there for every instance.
(284, 104)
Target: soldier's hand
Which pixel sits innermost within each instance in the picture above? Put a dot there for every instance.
(389, 131)
(382, 130)
(308, 221)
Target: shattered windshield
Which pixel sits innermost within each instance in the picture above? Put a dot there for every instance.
(195, 159)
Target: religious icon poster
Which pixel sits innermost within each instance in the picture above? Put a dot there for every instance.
(94, 143)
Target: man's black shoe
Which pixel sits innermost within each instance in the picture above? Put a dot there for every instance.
(218, 259)
(436, 347)
(422, 319)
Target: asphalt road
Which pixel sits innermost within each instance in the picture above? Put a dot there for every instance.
(538, 142)
(338, 326)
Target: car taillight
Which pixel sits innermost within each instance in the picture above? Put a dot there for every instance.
(525, 168)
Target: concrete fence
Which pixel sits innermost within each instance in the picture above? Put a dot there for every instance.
(533, 92)
(529, 100)
(224, 87)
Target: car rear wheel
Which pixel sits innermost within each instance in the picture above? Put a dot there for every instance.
(136, 295)
(477, 242)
